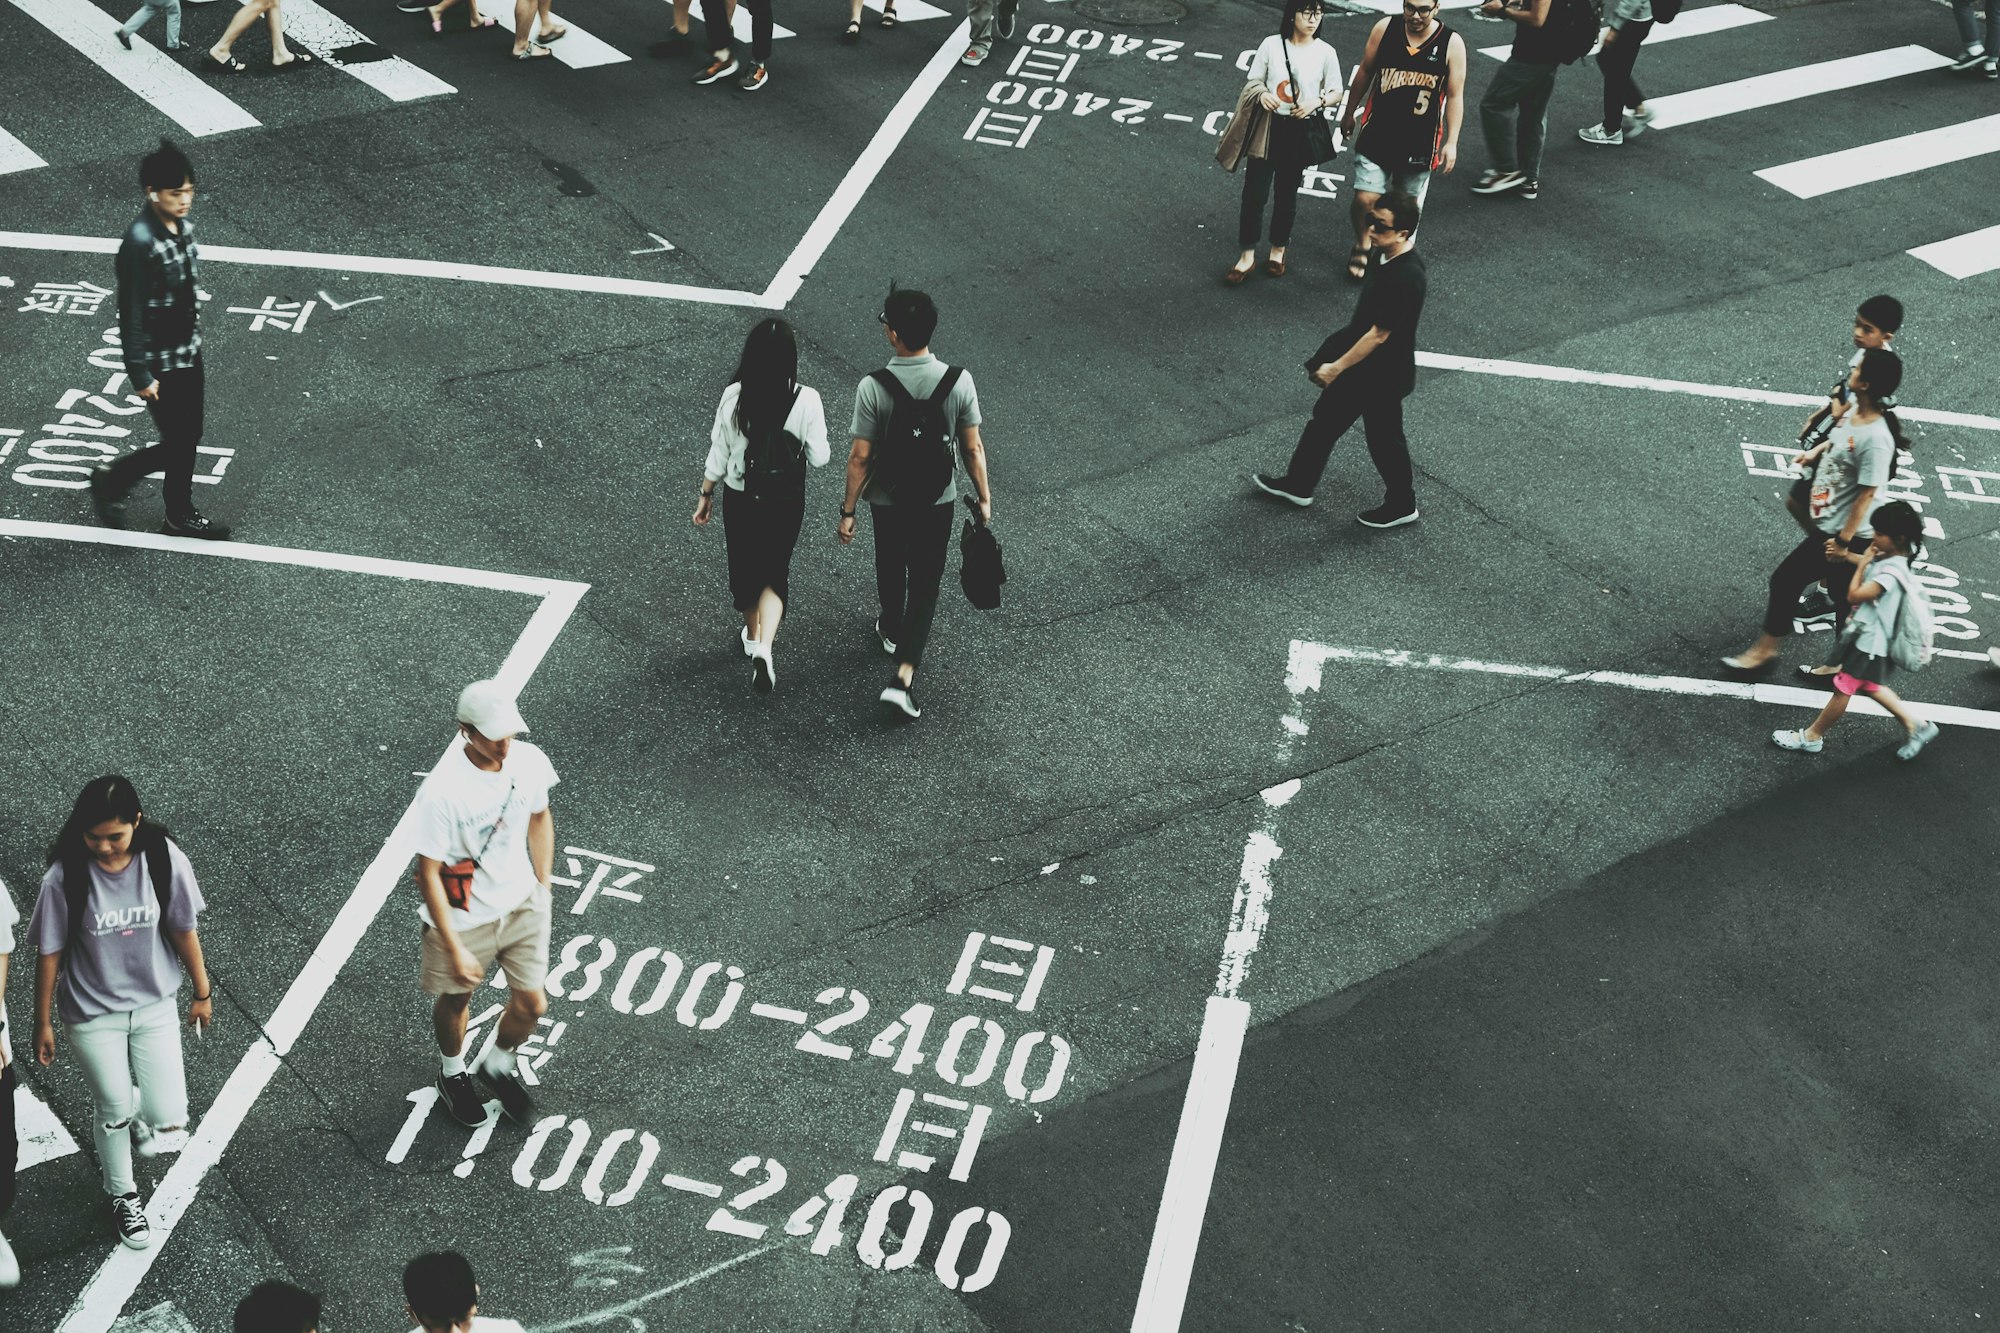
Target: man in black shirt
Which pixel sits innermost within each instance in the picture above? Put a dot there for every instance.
(1366, 370)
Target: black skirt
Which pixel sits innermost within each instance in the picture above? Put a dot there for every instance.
(760, 535)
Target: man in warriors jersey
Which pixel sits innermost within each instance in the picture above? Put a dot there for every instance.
(1412, 75)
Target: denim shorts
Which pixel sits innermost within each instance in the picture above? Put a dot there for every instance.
(1369, 178)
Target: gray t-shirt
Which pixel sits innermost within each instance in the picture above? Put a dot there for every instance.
(122, 960)
(1856, 457)
(9, 918)
(873, 405)
(1875, 622)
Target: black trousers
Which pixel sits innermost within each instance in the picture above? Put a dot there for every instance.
(720, 37)
(177, 416)
(1286, 169)
(911, 543)
(1381, 413)
(9, 1145)
(1806, 565)
(1616, 61)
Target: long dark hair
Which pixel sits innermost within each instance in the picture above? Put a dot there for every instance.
(1899, 521)
(766, 375)
(102, 799)
(1882, 372)
(1291, 11)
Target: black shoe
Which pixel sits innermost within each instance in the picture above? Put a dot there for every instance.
(125, 39)
(1813, 678)
(900, 697)
(196, 524)
(1814, 604)
(515, 1103)
(110, 508)
(456, 1093)
(1387, 516)
(676, 44)
(1282, 488)
(716, 70)
(1003, 19)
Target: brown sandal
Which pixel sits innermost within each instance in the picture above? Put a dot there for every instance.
(1275, 267)
(1234, 276)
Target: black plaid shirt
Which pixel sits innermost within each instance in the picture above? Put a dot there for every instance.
(157, 308)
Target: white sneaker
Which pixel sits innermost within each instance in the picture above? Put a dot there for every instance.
(10, 1267)
(744, 636)
(1796, 740)
(763, 671)
(128, 1218)
(1636, 123)
(1919, 738)
(150, 1142)
(899, 697)
(889, 644)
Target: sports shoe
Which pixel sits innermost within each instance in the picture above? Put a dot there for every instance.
(973, 56)
(125, 39)
(716, 71)
(1003, 19)
(1990, 70)
(1280, 488)
(1969, 57)
(763, 671)
(461, 1100)
(150, 1142)
(515, 1103)
(1531, 189)
(196, 524)
(1637, 122)
(10, 1267)
(743, 637)
(1918, 739)
(1796, 740)
(1387, 516)
(899, 696)
(110, 508)
(889, 644)
(674, 44)
(1498, 182)
(754, 78)
(1596, 134)
(128, 1219)
(412, 6)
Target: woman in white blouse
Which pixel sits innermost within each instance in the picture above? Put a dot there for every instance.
(1300, 78)
(768, 429)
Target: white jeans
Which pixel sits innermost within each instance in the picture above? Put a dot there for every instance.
(142, 1046)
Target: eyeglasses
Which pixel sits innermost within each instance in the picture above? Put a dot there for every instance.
(1420, 11)
(1380, 224)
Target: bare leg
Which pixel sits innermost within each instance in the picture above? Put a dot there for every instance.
(275, 17)
(1759, 652)
(518, 1019)
(1899, 710)
(750, 621)
(448, 1022)
(1828, 715)
(854, 11)
(1359, 214)
(239, 23)
(681, 16)
(770, 610)
(524, 23)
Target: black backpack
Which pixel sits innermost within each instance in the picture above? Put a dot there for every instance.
(914, 459)
(774, 461)
(1577, 25)
(150, 841)
(1664, 11)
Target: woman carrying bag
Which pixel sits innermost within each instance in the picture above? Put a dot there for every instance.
(114, 927)
(768, 429)
(1299, 77)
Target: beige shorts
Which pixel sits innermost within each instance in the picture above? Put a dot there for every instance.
(518, 941)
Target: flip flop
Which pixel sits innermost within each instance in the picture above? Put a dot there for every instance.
(546, 37)
(298, 58)
(1357, 263)
(852, 33)
(210, 65)
(485, 23)
(535, 51)
(888, 16)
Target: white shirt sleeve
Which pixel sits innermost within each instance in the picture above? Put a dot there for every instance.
(1261, 68)
(719, 438)
(812, 428)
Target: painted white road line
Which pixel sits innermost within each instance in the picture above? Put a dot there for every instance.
(1789, 85)
(1965, 256)
(623, 1311)
(175, 91)
(576, 48)
(1477, 365)
(42, 1136)
(104, 1297)
(862, 174)
(17, 156)
(1811, 177)
(1310, 658)
(323, 32)
(1691, 23)
(416, 268)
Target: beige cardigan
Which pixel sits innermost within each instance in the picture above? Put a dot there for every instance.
(1248, 133)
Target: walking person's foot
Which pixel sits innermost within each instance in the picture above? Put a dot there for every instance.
(1970, 58)
(196, 524)
(461, 1100)
(754, 78)
(1498, 182)
(411, 6)
(1744, 662)
(1797, 740)
(1918, 739)
(763, 671)
(10, 1267)
(1531, 189)
(674, 44)
(125, 39)
(851, 33)
(1387, 516)
(150, 1142)
(1003, 19)
(109, 507)
(900, 697)
(1599, 135)
(1240, 270)
(533, 51)
(1637, 122)
(889, 644)
(1281, 488)
(128, 1219)
(716, 70)
(506, 1086)
(973, 56)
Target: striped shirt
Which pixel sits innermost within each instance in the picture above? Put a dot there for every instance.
(157, 308)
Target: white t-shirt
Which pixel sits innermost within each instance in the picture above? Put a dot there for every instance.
(726, 443)
(1315, 65)
(462, 808)
(9, 918)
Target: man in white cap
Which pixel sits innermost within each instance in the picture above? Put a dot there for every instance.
(485, 845)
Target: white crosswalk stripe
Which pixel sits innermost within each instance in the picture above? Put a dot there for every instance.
(17, 156)
(1691, 23)
(1965, 256)
(1886, 159)
(173, 90)
(323, 33)
(1789, 85)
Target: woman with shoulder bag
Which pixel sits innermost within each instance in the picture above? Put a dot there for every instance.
(1300, 78)
(114, 927)
(768, 429)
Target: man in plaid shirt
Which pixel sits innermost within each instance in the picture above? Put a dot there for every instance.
(157, 318)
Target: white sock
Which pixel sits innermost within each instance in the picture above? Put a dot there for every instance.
(499, 1061)
(454, 1065)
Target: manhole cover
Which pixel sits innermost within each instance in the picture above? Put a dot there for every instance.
(1132, 13)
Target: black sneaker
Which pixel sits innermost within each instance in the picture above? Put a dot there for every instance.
(196, 524)
(1282, 488)
(900, 697)
(125, 39)
(1003, 19)
(1387, 516)
(676, 44)
(1968, 59)
(128, 1219)
(716, 70)
(110, 508)
(754, 78)
(461, 1100)
(515, 1103)
(1531, 189)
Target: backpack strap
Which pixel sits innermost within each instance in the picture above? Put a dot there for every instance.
(889, 380)
(160, 869)
(946, 384)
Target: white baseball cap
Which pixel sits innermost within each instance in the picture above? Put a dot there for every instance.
(487, 708)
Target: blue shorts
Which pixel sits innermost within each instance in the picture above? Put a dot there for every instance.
(1369, 178)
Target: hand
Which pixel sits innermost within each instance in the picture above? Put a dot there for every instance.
(1267, 101)
(45, 1044)
(202, 1011)
(1491, 7)
(986, 511)
(1607, 37)
(702, 508)
(845, 529)
(151, 393)
(1326, 374)
(464, 967)
(1347, 124)
(1448, 158)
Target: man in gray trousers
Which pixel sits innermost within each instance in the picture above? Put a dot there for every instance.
(990, 19)
(1514, 114)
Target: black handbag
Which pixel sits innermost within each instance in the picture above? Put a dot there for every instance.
(1319, 134)
(980, 569)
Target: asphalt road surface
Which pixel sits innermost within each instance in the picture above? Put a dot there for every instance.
(1564, 1000)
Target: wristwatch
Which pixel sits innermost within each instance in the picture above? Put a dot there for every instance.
(847, 513)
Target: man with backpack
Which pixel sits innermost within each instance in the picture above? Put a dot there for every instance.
(910, 420)
(1515, 111)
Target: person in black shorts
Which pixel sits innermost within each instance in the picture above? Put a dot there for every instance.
(1413, 83)
(1366, 370)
